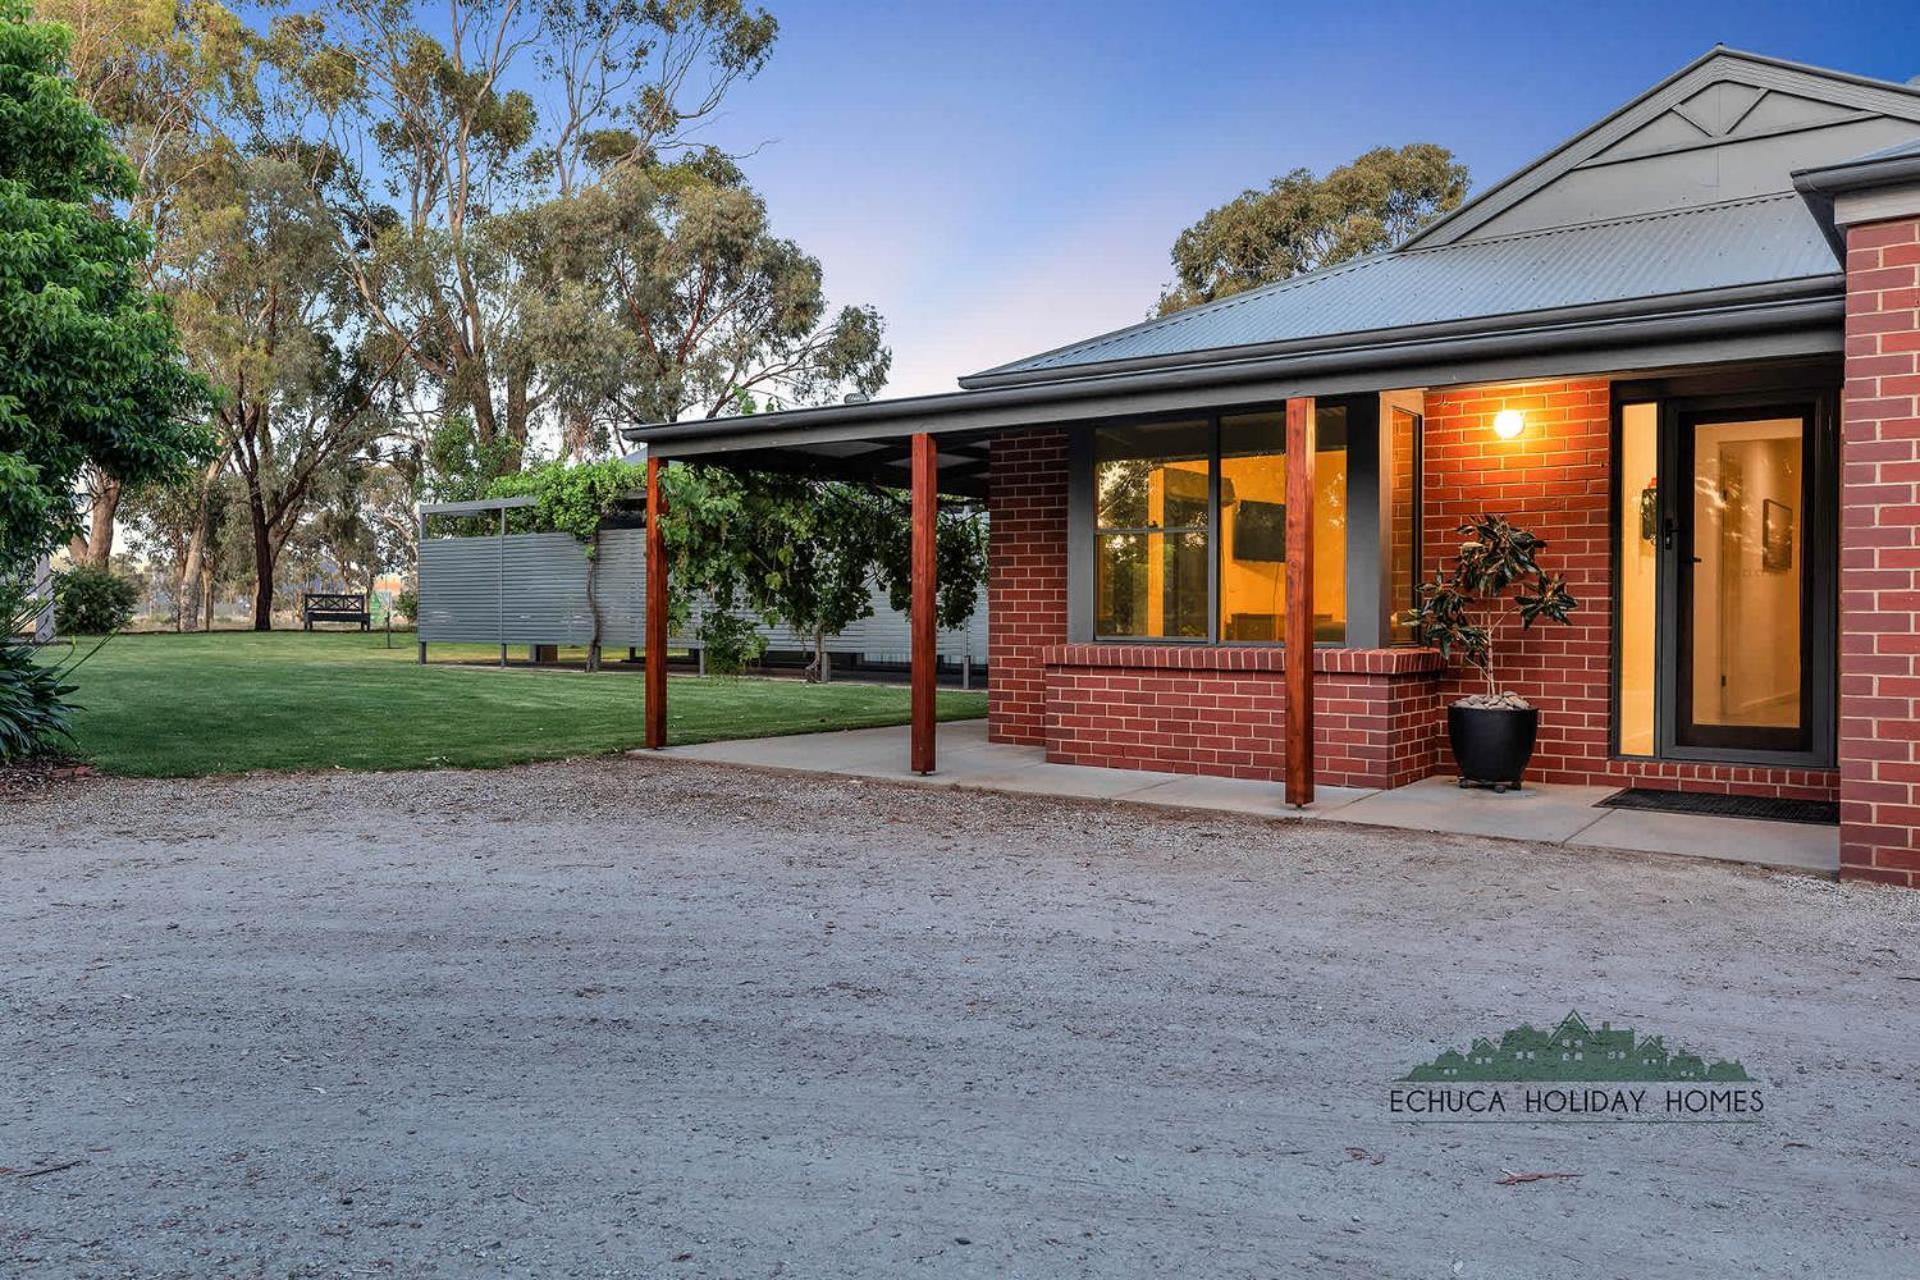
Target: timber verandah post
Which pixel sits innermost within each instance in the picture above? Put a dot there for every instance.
(656, 690)
(1299, 623)
(925, 597)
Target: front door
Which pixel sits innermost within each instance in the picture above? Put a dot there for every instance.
(1740, 669)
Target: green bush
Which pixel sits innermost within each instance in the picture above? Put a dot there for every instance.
(729, 643)
(34, 714)
(93, 602)
(407, 604)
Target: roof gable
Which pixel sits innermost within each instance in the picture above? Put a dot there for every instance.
(1728, 126)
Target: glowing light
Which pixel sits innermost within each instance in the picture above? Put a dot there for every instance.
(1509, 423)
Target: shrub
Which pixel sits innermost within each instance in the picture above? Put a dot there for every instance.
(93, 602)
(407, 604)
(729, 643)
(34, 713)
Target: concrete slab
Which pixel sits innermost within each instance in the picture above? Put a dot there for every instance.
(1541, 812)
(1798, 845)
(1239, 795)
(1546, 813)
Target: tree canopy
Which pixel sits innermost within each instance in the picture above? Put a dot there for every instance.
(1301, 223)
(91, 373)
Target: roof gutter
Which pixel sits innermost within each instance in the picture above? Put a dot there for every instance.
(1816, 305)
(1821, 187)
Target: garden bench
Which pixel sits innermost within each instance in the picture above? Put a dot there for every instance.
(334, 606)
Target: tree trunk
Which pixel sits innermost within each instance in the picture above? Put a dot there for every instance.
(95, 549)
(186, 608)
(186, 613)
(206, 599)
(106, 505)
(593, 602)
(263, 558)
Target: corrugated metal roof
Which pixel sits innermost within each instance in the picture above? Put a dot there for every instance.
(1708, 247)
(1898, 151)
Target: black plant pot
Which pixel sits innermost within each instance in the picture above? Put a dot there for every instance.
(1492, 745)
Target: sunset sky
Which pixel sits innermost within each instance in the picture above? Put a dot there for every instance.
(999, 178)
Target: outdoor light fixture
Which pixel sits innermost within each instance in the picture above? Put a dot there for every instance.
(1509, 423)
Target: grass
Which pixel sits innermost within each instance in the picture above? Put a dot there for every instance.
(229, 702)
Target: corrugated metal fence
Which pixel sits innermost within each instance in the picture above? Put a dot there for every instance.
(531, 588)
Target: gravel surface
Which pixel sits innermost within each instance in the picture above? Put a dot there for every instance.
(651, 1018)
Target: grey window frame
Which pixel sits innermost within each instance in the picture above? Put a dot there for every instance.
(1369, 594)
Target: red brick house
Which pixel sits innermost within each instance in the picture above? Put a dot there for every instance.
(1681, 347)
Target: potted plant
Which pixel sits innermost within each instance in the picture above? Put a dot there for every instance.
(1462, 614)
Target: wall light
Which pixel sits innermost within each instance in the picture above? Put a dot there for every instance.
(1509, 423)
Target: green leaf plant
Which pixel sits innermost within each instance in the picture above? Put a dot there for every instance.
(1462, 611)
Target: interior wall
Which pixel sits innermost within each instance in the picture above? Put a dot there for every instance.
(1638, 556)
(1746, 659)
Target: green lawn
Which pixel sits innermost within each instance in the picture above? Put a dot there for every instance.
(185, 705)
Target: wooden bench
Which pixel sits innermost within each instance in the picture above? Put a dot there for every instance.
(334, 606)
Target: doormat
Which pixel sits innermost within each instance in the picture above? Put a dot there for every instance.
(1825, 813)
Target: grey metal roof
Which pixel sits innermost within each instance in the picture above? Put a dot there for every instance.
(1762, 240)
(1898, 151)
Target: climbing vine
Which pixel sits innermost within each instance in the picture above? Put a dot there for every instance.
(569, 499)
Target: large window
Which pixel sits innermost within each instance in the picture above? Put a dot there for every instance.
(1190, 528)
(1152, 503)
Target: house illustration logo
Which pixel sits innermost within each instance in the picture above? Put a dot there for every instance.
(1573, 1051)
(1576, 1072)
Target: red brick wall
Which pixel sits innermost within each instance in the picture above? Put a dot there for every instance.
(1026, 579)
(1371, 731)
(1880, 558)
(1222, 711)
(1553, 479)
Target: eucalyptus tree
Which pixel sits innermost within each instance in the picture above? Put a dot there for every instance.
(673, 297)
(1301, 223)
(438, 139)
(268, 308)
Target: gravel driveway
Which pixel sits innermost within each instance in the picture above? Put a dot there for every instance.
(650, 1018)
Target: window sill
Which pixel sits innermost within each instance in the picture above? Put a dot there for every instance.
(1397, 661)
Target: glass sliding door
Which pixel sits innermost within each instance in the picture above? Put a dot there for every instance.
(1741, 652)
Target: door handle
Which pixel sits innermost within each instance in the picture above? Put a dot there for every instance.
(1668, 529)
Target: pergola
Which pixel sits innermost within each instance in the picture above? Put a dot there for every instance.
(931, 445)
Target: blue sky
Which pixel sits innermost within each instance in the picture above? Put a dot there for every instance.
(999, 178)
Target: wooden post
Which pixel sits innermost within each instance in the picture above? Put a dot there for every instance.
(925, 598)
(656, 610)
(1299, 622)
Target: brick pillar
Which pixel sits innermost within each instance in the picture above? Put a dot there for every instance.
(1026, 579)
(1880, 558)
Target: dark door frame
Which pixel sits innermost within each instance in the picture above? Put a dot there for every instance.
(1679, 533)
(1819, 403)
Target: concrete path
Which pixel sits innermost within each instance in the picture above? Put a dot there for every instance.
(1541, 813)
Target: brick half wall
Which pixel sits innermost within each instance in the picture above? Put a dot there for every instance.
(1222, 711)
(1880, 558)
